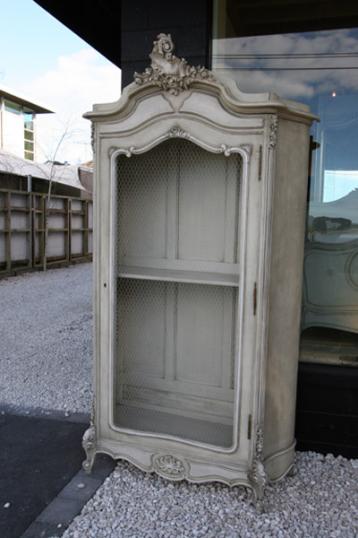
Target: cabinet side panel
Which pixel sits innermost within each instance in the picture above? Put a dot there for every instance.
(288, 228)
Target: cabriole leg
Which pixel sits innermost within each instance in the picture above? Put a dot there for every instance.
(89, 446)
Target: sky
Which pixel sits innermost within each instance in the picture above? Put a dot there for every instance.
(304, 63)
(317, 68)
(43, 59)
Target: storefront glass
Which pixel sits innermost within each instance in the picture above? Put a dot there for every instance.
(321, 70)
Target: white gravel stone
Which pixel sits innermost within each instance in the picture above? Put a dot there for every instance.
(46, 339)
(320, 501)
(45, 361)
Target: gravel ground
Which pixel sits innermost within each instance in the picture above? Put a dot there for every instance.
(320, 501)
(46, 339)
(45, 362)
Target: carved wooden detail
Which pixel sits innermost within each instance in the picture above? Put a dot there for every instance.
(89, 446)
(257, 474)
(168, 72)
(273, 131)
(186, 309)
(169, 466)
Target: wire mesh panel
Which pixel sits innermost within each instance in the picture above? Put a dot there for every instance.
(177, 261)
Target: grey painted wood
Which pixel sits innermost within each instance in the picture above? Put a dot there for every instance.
(200, 212)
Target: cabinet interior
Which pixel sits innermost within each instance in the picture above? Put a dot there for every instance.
(177, 263)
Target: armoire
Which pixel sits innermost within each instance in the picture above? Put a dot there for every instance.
(200, 198)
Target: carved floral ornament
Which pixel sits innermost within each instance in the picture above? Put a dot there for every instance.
(169, 466)
(273, 131)
(167, 71)
(257, 474)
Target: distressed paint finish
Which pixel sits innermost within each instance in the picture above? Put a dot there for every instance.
(271, 138)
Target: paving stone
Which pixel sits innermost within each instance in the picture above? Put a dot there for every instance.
(61, 511)
(102, 467)
(43, 530)
(38, 457)
(73, 491)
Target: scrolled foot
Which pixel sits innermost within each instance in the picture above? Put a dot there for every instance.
(260, 506)
(293, 471)
(257, 474)
(256, 499)
(89, 446)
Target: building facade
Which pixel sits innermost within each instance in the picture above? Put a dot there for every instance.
(18, 123)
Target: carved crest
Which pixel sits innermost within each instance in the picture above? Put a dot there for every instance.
(169, 72)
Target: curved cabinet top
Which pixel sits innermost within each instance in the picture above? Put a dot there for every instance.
(170, 86)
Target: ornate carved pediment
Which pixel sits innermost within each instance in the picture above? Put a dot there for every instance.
(167, 71)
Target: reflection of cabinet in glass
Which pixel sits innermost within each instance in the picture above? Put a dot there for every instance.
(200, 209)
(330, 294)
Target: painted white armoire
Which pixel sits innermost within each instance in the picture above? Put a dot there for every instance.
(200, 196)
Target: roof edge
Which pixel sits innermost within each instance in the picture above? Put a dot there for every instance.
(24, 100)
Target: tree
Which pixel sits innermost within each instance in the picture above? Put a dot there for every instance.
(52, 172)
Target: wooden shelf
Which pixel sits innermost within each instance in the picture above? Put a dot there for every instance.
(179, 275)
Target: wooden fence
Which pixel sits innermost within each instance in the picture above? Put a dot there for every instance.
(31, 229)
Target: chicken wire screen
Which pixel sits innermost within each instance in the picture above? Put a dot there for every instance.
(176, 301)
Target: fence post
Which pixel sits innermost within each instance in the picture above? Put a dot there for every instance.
(66, 232)
(85, 228)
(8, 231)
(32, 230)
(69, 226)
(43, 232)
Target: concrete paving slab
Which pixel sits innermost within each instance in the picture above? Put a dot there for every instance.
(38, 457)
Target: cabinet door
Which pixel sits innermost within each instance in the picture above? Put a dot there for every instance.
(178, 268)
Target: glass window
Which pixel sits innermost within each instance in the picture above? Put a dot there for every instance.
(321, 70)
(28, 121)
(29, 135)
(29, 146)
(10, 106)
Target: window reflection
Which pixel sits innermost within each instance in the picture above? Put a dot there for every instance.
(321, 70)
